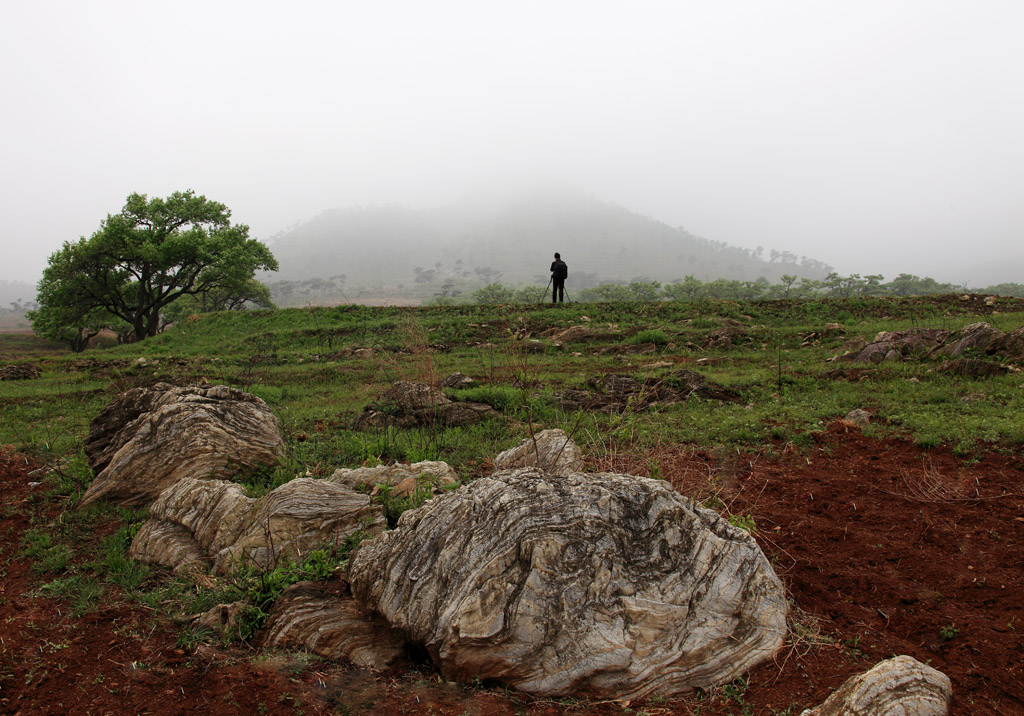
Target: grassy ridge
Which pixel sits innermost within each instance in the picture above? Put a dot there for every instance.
(309, 367)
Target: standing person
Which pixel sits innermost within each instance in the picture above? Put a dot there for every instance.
(559, 272)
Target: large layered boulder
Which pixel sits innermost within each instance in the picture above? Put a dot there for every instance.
(212, 523)
(610, 586)
(408, 404)
(306, 616)
(550, 450)
(901, 686)
(149, 438)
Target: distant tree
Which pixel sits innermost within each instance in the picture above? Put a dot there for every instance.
(752, 290)
(1005, 289)
(494, 293)
(58, 322)
(903, 285)
(872, 285)
(529, 294)
(645, 290)
(140, 261)
(688, 288)
(448, 289)
(424, 275)
(724, 288)
(806, 288)
(787, 281)
(251, 294)
(607, 292)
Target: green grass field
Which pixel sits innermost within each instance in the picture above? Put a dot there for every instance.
(306, 364)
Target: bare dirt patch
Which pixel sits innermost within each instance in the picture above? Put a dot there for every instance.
(886, 549)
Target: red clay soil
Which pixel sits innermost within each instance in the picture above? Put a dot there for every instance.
(885, 548)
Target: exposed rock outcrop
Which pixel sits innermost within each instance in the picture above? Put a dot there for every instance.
(604, 585)
(726, 337)
(212, 522)
(976, 337)
(149, 438)
(972, 367)
(550, 450)
(981, 339)
(458, 380)
(222, 619)
(435, 473)
(615, 392)
(408, 404)
(901, 686)
(977, 340)
(333, 626)
(18, 372)
(859, 417)
(896, 345)
(581, 334)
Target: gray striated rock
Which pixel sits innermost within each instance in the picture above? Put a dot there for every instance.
(616, 393)
(859, 416)
(332, 626)
(408, 404)
(149, 438)
(550, 450)
(222, 619)
(901, 686)
(458, 380)
(978, 337)
(896, 345)
(212, 521)
(437, 473)
(972, 367)
(609, 586)
(18, 372)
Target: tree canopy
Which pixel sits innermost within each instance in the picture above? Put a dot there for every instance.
(143, 259)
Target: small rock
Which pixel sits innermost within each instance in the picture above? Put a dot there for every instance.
(859, 417)
(901, 685)
(458, 380)
(550, 450)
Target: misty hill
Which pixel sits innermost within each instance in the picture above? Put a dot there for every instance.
(410, 252)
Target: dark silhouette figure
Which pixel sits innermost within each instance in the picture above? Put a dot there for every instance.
(559, 272)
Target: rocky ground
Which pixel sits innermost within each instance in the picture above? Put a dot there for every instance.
(884, 547)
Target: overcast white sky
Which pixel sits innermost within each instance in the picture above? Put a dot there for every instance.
(876, 135)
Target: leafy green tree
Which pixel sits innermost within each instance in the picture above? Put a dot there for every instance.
(59, 322)
(151, 254)
(688, 288)
(607, 292)
(787, 282)
(1005, 289)
(251, 294)
(493, 294)
(645, 290)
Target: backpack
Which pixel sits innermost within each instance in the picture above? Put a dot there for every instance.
(561, 270)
